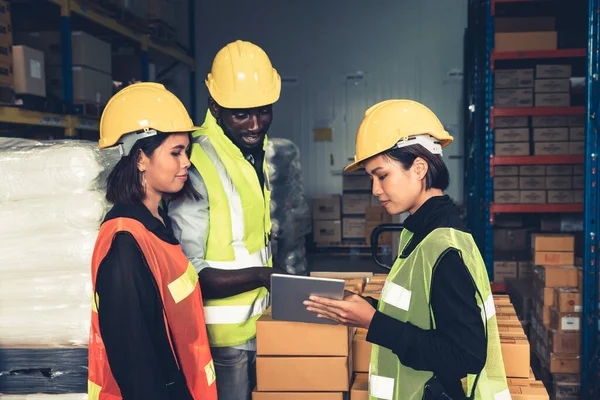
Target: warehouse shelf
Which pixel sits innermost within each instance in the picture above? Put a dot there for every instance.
(536, 208)
(16, 115)
(494, 2)
(537, 160)
(536, 111)
(523, 55)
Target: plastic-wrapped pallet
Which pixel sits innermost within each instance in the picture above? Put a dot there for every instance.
(289, 209)
(52, 202)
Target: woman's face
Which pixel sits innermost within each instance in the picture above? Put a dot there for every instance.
(167, 170)
(398, 189)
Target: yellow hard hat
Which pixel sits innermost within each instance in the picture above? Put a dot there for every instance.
(242, 77)
(391, 123)
(142, 107)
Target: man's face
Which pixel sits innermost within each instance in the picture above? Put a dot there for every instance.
(246, 128)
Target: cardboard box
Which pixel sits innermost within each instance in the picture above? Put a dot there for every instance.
(564, 322)
(506, 196)
(564, 343)
(360, 389)
(545, 296)
(553, 85)
(525, 270)
(6, 53)
(559, 182)
(532, 170)
(578, 182)
(507, 240)
(553, 100)
(513, 98)
(577, 120)
(501, 299)
(515, 353)
(511, 122)
(576, 148)
(5, 11)
(556, 276)
(29, 75)
(524, 41)
(524, 24)
(561, 197)
(506, 170)
(506, 183)
(327, 231)
(567, 390)
(504, 270)
(284, 338)
(89, 85)
(528, 393)
(512, 149)
(565, 364)
(327, 207)
(554, 258)
(378, 214)
(357, 182)
(6, 74)
(6, 32)
(559, 170)
(511, 135)
(551, 134)
(578, 196)
(577, 133)
(578, 169)
(543, 121)
(295, 374)
(385, 238)
(355, 203)
(532, 182)
(361, 353)
(298, 395)
(353, 228)
(543, 315)
(513, 78)
(552, 242)
(553, 71)
(551, 148)
(532, 196)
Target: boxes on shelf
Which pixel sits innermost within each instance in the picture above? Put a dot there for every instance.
(552, 99)
(513, 78)
(543, 121)
(524, 24)
(532, 197)
(561, 197)
(525, 41)
(89, 85)
(356, 181)
(552, 85)
(506, 170)
(511, 122)
(504, 270)
(327, 207)
(353, 228)
(551, 134)
(511, 135)
(327, 232)
(356, 203)
(375, 216)
(29, 73)
(532, 170)
(513, 98)
(553, 71)
(551, 148)
(532, 183)
(512, 149)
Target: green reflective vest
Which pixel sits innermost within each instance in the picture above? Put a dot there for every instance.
(406, 297)
(238, 233)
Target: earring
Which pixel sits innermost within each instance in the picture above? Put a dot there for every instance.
(144, 179)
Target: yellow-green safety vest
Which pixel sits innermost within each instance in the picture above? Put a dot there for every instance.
(406, 297)
(238, 233)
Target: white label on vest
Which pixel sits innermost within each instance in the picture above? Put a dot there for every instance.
(381, 387)
(503, 395)
(489, 307)
(396, 295)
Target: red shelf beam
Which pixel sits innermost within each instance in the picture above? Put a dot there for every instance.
(498, 287)
(521, 55)
(535, 208)
(535, 160)
(536, 111)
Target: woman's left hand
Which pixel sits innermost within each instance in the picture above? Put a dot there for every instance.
(352, 311)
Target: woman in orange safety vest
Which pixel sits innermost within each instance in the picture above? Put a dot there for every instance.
(148, 336)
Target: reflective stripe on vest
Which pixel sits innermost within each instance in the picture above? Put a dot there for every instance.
(406, 297)
(177, 284)
(239, 229)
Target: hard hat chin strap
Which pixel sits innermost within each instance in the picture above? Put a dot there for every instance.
(429, 142)
(127, 141)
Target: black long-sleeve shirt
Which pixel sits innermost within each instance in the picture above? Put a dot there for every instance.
(457, 346)
(130, 315)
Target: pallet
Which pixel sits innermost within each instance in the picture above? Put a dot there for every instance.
(161, 32)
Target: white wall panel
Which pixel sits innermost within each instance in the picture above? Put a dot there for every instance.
(404, 48)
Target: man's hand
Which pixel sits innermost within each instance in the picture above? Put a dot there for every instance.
(352, 311)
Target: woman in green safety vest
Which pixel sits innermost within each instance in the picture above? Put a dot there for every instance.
(434, 330)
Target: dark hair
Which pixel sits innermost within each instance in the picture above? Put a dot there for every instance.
(437, 176)
(124, 183)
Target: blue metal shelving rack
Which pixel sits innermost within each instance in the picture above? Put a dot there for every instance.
(479, 150)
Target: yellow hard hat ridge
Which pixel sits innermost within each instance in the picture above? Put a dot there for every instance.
(388, 122)
(142, 106)
(242, 76)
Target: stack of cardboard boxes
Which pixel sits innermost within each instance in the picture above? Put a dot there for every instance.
(539, 184)
(556, 321)
(375, 216)
(356, 199)
(525, 33)
(6, 55)
(327, 225)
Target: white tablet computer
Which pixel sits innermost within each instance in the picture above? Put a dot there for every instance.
(288, 293)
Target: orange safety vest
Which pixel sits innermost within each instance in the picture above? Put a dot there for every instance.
(183, 312)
